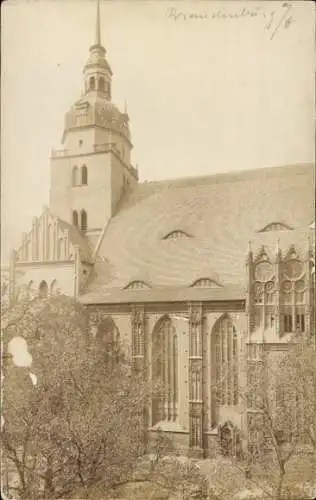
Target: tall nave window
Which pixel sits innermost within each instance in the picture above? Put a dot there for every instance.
(226, 360)
(165, 371)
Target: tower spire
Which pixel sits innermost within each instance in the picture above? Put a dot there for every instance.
(97, 27)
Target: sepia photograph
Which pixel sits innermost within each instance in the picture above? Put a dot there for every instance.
(158, 305)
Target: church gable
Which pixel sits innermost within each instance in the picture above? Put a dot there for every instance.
(51, 240)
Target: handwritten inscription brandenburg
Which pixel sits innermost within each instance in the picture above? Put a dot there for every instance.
(274, 19)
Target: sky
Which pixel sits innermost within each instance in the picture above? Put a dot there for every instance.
(210, 87)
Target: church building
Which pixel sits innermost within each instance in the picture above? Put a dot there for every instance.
(194, 275)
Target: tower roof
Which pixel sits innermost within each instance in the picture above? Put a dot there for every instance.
(98, 27)
(97, 51)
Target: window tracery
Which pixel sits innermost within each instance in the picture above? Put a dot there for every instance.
(293, 294)
(264, 291)
(263, 271)
(224, 337)
(165, 370)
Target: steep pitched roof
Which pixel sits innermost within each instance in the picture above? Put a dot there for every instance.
(221, 213)
(162, 294)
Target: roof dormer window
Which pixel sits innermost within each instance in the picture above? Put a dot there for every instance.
(205, 283)
(276, 226)
(178, 234)
(136, 285)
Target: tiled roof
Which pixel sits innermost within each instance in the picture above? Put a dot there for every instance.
(221, 213)
(161, 294)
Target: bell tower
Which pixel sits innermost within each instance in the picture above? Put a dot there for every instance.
(92, 171)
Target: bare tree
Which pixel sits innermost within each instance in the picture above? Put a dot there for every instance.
(83, 420)
(161, 476)
(281, 407)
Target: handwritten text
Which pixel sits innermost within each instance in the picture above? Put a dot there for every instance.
(274, 19)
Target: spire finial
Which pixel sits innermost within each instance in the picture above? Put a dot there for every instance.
(97, 28)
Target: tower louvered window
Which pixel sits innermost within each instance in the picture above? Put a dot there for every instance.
(101, 84)
(92, 83)
(84, 175)
(75, 180)
(75, 218)
(84, 220)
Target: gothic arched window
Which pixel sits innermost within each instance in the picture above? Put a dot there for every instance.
(84, 175)
(53, 287)
(43, 290)
(29, 289)
(75, 178)
(165, 371)
(75, 218)
(101, 84)
(224, 340)
(264, 293)
(92, 83)
(293, 295)
(84, 220)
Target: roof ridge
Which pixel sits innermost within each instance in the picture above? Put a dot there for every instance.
(235, 175)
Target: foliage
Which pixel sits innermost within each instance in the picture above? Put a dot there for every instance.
(281, 414)
(84, 418)
(156, 477)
